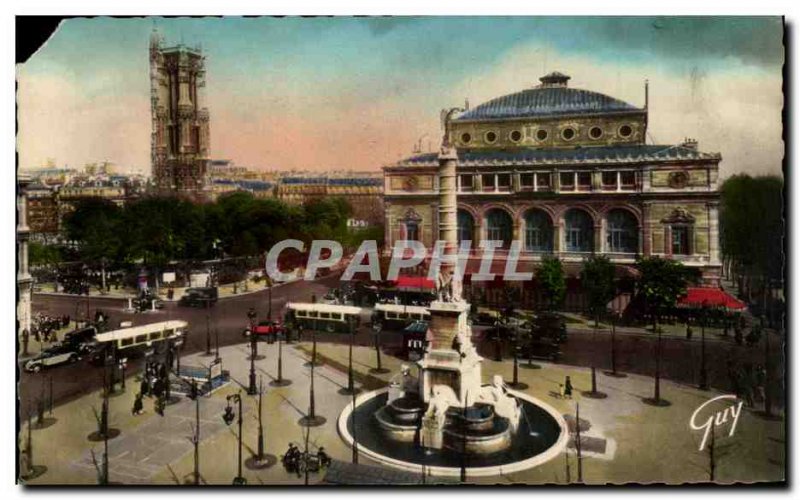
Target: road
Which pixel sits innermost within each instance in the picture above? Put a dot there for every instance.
(228, 317)
(635, 353)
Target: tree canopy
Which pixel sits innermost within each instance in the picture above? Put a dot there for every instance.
(663, 282)
(597, 280)
(752, 226)
(157, 230)
(550, 276)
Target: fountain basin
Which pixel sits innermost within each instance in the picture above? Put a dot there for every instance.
(541, 436)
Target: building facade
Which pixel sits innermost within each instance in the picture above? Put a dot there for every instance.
(362, 189)
(566, 172)
(24, 279)
(43, 215)
(180, 123)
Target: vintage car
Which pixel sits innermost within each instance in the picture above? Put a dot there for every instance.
(268, 329)
(55, 355)
(199, 297)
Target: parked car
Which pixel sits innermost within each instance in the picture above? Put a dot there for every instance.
(55, 355)
(198, 297)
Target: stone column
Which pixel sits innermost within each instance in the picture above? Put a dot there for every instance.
(448, 205)
(558, 237)
(713, 234)
(646, 236)
(598, 237)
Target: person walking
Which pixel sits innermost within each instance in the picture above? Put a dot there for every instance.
(138, 406)
(568, 388)
(144, 387)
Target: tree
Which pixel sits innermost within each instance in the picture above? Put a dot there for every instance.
(661, 283)
(597, 281)
(96, 224)
(752, 230)
(550, 276)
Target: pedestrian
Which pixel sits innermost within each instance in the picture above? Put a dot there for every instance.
(688, 331)
(158, 387)
(159, 405)
(138, 406)
(761, 382)
(36, 335)
(568, 388)
(25, 339)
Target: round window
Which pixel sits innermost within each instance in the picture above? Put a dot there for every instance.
(595, 132)
(491, 137)
(541, 134)
(515, 135)
(465, 138)
(568, 134)
(625, 131)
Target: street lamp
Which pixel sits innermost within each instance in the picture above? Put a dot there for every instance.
(207, 300)
(376, 329)
(350, 389)
(251, 388)
(280, 381)
(228, 417)
(703, 370)
(516, 384)
(312, 419)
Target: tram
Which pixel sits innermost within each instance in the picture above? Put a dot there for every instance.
(329, 318)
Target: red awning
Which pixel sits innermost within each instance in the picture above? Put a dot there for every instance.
(710, 297)
(418, 282)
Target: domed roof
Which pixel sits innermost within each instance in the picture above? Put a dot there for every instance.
(551, 98)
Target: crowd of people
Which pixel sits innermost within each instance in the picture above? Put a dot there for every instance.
(44, 328)
(155, 384)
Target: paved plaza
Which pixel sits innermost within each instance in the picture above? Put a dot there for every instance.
(624, 439)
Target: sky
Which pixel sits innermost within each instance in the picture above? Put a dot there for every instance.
(358, 93)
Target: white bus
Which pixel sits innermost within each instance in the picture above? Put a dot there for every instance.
(142, 337)
(325, 317)
(397, 316)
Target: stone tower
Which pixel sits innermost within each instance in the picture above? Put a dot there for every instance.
(180, 135)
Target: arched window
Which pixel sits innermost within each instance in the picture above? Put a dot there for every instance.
(499, 226)
(538, 232)
(465, 226)
(622, 235)
(578, 231)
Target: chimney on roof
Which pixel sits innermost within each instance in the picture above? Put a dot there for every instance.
(554, 79)
(689, 143)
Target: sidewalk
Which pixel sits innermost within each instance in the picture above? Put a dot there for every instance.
(640, 443)
(225, 291)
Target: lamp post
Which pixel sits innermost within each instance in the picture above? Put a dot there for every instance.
(516, 384)
(355, 427)
(703, 370)
(196, 437)
(216, 341)
(228, 419)
(350, 389)
(280, 381)
(312, 419)
(260, 456)
(208, 326)
(376, 328)
(251, 388)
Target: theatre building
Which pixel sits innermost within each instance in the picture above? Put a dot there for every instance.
(569, 173)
